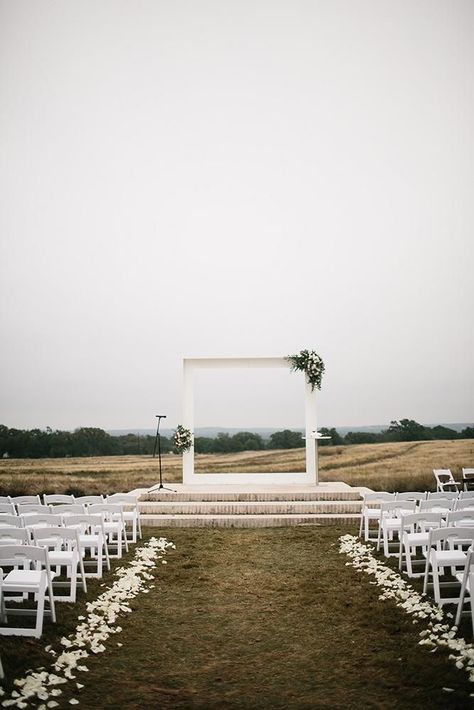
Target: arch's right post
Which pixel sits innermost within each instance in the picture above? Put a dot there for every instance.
(311, 433)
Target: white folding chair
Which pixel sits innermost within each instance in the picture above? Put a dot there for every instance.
(468, 479)
(445, 480)
(92, 540)
(452, 495)
(114, 526)
(460, 518)
(446, 550)
(89, 500)
(415, 529)
(32, 509)
(437, 505)
(390, 522)
(466, 580)
(10, 535)
(64, 551)
(42, 520)
(131, 512)
(7, 509)
(466, 494)
(66, 509)
(25, 500)
(465, 503)
(412, 495)
(13, 520)
(58, 498)
(25, 579)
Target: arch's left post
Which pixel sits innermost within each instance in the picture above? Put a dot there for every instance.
(188, 419)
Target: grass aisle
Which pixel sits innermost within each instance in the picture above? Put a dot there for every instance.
(268, 618)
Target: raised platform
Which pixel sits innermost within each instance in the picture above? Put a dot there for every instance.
(234, 505)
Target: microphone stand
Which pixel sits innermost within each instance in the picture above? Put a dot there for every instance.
(158, 441)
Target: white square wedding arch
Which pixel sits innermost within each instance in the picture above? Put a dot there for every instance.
(306, 478)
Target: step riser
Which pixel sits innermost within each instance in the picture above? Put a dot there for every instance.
(248, 522)
(249, 508)
(201, 497)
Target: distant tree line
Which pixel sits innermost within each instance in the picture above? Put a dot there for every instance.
(86, 441)
(91, 441)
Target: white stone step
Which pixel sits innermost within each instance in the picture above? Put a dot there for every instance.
(248, 521)
(249, 508)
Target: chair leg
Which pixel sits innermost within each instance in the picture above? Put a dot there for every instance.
(436, 587)
(427, 571)
(40, 606)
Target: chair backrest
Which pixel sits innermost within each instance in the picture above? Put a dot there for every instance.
(84, 521)
(465, 503)
(440, 536)
(109, 511)
(437, 504)
(466, 494)
(68, 509)
(460, 517)
(13, 520)
(422, 521)
(87, 500)
(24, 500)
(12, 536)
(30, 508)
(367, 497)
(56, 536)
(444, 479)
(5, 499)
(396, 508)
(443, 494)
(53, 498)
(412, 495)
(468, 474)
(7, 508)
(42, 520)
(17, 554)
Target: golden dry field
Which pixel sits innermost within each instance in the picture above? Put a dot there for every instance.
(393, 466)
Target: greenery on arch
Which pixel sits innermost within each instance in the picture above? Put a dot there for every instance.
(309, 362)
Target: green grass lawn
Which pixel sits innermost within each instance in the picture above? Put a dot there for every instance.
(262, 618)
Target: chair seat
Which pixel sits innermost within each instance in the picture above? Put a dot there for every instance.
(23, 578)
(448, 557)
(62, 557)
(90, 540)
(417, 539)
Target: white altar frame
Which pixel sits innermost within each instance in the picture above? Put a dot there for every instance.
(307, 478)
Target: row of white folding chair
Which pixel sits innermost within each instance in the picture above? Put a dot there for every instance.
(93, 537)
(445, 479)
(113, 514)
(64, 551)
(446, 550)
(23, 579)
(371, 510)
(391, 514)
(414, 532)
(129, 503)
(371, 506)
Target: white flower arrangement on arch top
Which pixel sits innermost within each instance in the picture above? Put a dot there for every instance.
(183, 439)
(309, 362)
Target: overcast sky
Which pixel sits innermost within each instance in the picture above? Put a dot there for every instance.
(235, 177)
